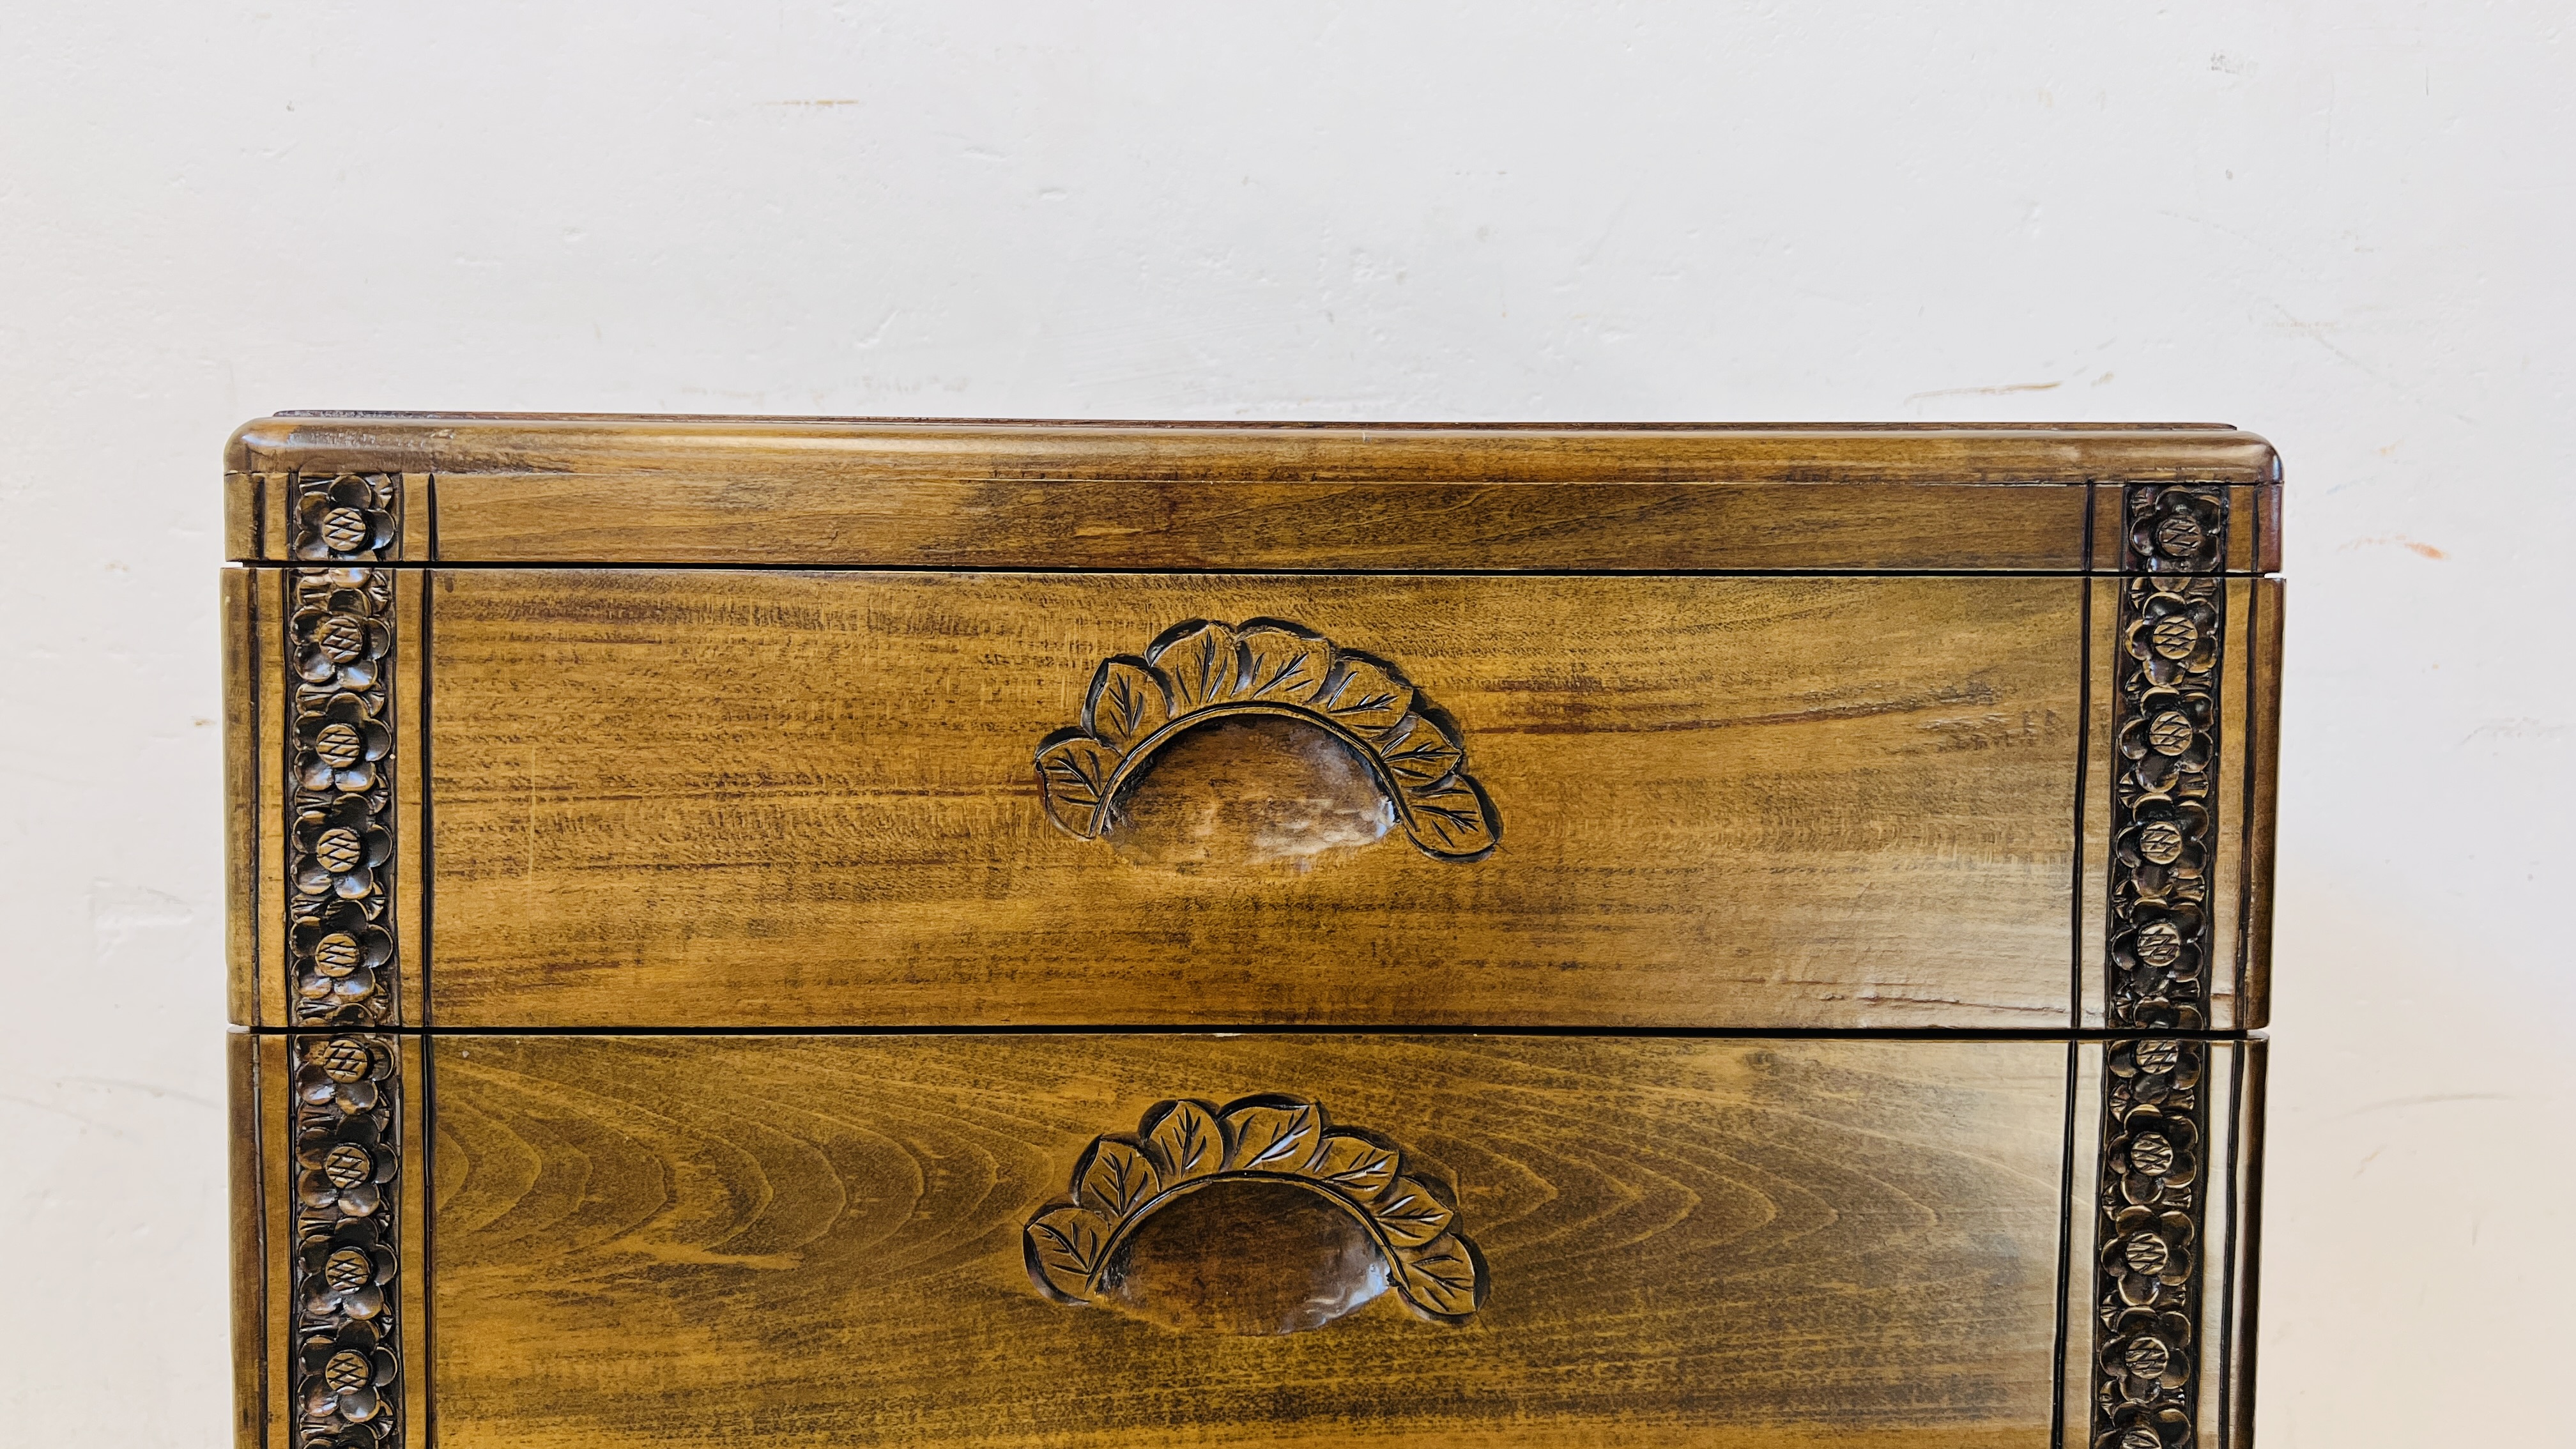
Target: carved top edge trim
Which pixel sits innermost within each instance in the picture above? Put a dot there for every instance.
(1474, 454)
(1203, 670)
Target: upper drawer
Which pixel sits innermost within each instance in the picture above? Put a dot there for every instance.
(1806, 798)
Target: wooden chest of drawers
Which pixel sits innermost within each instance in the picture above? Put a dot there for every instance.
(780, 933)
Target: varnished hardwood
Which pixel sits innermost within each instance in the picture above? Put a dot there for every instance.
(251, 1248)
(2229, 1376)
(965, 725)
(408, 909)
(708, 797)
(269, 685)
(754, 1241)
(243, 673)
(275, 1291)
(2260, 715)
(1227, 496)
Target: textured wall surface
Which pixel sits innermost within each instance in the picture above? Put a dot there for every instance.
(2342, 225)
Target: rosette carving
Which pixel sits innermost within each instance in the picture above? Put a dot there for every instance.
(340, 742)
(339, 797)
(347, 1350)
(2164, 756)
(2176, 527)
(2147, 1282)
(1204, 671)
(1259, 1217)
(351, 518)
(347, 1105)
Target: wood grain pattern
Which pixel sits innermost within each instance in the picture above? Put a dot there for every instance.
(249, 1239)
(2261, 749)
(242, 795)
(711, 797)
(244, 514)
(2228, 1379)
(2230, 884)
(268, 680)
(277, 1235)
(884, 493)
(1803, 728)
(413, 1219)
(408, 909)
(754, 1241)
(2093, 884)
(2077, 1357)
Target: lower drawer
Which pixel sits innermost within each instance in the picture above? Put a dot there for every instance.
(1128, 1239)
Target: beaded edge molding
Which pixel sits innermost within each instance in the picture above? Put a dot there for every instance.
(344, 1334)
(2151, 1188)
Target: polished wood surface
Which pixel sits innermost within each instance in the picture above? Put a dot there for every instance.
(2260, 713)
(244, 671)
(247, 1164)
(765, 798)
(1231, 496)
(778, 932)
(752, 1241)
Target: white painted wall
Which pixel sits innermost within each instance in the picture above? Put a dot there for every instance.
(2345, 225)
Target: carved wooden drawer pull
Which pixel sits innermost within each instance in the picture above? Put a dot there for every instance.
(1201, 672)
(1260, 1217)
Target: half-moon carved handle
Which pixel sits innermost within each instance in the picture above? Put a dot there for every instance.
(1203, 671)
(1259, 1217)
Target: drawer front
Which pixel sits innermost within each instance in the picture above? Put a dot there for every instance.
(627, 797)
(1141, 1238)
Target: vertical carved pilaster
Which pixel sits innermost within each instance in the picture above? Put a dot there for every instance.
(2164, 818)
(2152, 1185)
(2153, 1189)
(345, 1342)
(339, 779)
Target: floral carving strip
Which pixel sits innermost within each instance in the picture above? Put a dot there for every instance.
(1180, 1146)
(2147, 1285)
(1202, 671)
(339, 786)
(2164, 832)
(2164, 816)
(351, 518)
(346, 1343)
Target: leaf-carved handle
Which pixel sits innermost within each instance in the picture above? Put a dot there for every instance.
(1321, 1219)
(1204, 670)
